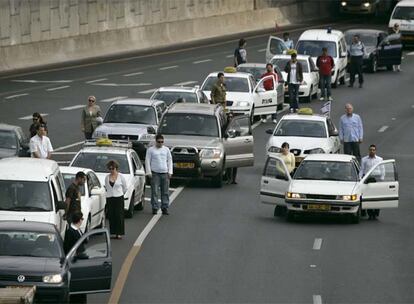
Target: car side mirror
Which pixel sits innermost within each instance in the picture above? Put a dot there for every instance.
(60, 205)
(231, 133)
(370, 180)
(269, 131)
(139, 172)
(334, 133)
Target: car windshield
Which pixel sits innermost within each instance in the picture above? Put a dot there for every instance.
(403, 13)
(326, 170)
(313, 48)
(29, 243)
(233, 84)
(25, 196)
(8, 140)
(281, 63)
(97, 161)
(302, 128)
(69, 178)
(134, 114)
(366, 38)
(189, 124)
(257, 72)
(170, 97)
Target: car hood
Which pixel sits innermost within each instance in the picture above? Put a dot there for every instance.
(39, 216)
(234, 96)
(322, 187)
(7, 153)
(301, 143)
(27, 265)
(191, 141)
(123, 128)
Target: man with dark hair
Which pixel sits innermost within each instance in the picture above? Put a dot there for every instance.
(159, 167)
(325, 64)
(240, 54)
(294, 73)
(218, 91)
(40, 146)
(73, 196)
(269, 84)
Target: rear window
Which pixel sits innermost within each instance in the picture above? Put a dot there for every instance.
(313, 48)
(233, 84)
(170, 97)
(97, 161)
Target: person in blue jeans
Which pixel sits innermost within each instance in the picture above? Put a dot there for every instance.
(294, 73)
(159, 167)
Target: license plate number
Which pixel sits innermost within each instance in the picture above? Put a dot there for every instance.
(318, 207)
(184, 165)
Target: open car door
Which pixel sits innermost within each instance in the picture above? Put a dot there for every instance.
(380, 186)
(265, 101)
(275, 46)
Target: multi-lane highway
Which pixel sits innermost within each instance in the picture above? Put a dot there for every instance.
(222, 245)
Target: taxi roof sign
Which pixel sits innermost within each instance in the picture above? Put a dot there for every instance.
(106, 142)
(230, 69)
(305, 111)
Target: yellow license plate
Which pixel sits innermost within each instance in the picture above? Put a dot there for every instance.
(319, 207)
(184, 165)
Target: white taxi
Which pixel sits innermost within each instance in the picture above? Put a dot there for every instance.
(96, 154)
(306, 133)
(244, 95)
(328, 183)
(93, 197)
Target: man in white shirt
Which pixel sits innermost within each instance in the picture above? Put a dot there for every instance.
(367, 163)
(40, 146)
(158, 164)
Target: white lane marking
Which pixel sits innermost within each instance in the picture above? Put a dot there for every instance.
(141, 238)
(168, 67)
(412, 106)
(393, 118)
(68, 146)
(382, 129)
(185, 83)
(15, 96)
(96, 80)
(72, 107)
(312, 266)
(230, 56)
(30, 116)
(202, 61)
(57, 88)
(133, 74)
(41, 81)
(256, 124)
(410, 53)
(261, 50)
(64, 153)
(147, 91)
(122, 84)
(113, 99)
(317, 299)
(317, 244)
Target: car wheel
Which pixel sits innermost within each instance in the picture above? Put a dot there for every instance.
(309, 98)
(130, 212)
(356, 216)
(140, 205)
(217, 180)
(374, 65)
(389, 68)
(279, 211)
(290, 215)
(103, 221)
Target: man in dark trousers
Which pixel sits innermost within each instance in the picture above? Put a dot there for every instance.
(268, 85)
(240, 54)
(356, 53)
(325, 64)
(218, 91)
(351, 131)
(294, 73)
(73, 196)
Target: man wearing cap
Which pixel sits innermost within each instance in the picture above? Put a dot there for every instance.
(218, 92)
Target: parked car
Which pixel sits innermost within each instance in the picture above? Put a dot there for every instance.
(13, 142)
(93, 197)
(381, 49)
(32, 254)
(366, 7)
(403, 15)
(174, 93)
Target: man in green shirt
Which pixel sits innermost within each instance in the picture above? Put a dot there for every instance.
(218, 92)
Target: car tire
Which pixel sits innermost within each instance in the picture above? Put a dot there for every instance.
(374, 65)
(217, 181)
(130, 212)
(355, 218)
(279, 211)
(389, 68)
(290, 215)
(103, 221)
(140, 205)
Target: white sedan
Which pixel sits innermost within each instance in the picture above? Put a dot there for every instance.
(93, 198)
(328, 183)
(310, 87)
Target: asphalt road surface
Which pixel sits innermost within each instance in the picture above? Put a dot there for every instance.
(223, 245)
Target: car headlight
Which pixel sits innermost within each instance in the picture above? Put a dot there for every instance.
(315, 151)
(53, 278)
(343, 3)
(294, 195)
(242, 104)
(274, 149)
(352, 197)
(367, 4)
(210, 153)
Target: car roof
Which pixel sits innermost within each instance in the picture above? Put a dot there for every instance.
(321, 34)
(178, 89)
(298, 56)
(252, 65)
(27, 169)
(28, 226)
(330, 157)
(8, 127)
(405, 3)
(365, 31)
(74, 170)
(137, 101)
(105, 149)
(193, 108)
(297, 116)
(227, 75)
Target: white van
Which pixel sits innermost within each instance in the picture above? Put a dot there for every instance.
(403, 14)
(311, 43)
(32, 190)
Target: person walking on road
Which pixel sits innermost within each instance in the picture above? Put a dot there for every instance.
(396, 30)
(240, 54)
(37, 120)
(268, 85)
(288, 42)
(91, 114)
(73, 196)
(294, 73)
(40, 146)
(116, 187)
(218, 92)
(367, 163)
(325, 64)
(351, 131)
(159, 167)
(356, 52)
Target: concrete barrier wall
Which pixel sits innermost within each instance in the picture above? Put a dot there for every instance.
(43, 32)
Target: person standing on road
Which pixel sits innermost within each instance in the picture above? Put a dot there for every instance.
(73, 196)
(240, 54)
(294, 73)
(288, 42)
(325, 64)
(90, 116)
(74, 232)
(159, 167)
(37, 120)
(218, 92)
(396, 30)
(40, 146)
(367, 163)
(351, 131)
(356, 52)
(116, 187)
(268, 85)
(288, 157)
